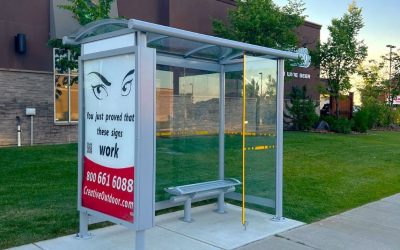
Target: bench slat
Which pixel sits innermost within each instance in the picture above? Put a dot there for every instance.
(203, 186)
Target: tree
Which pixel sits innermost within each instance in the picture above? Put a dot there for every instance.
(392, 84)
(372, 79)
(263, 23)
(85, 11)
(66, 56)
(376, 110)
(339, 57)
(301, 109)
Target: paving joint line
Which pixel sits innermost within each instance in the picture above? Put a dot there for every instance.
(295, 241)
(36, 245)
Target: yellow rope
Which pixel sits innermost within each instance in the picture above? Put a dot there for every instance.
(244, 141)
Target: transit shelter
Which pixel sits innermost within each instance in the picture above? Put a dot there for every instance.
(170, 117)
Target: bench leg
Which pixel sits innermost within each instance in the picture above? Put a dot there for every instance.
(221, 204)
(188, 210)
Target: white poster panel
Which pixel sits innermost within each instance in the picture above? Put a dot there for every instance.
(109, 136)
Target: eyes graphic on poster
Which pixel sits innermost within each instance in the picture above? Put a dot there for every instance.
(100, 84)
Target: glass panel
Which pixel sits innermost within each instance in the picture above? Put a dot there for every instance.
(173, 45)
(181, 47)
(61, 98)
(187, 127)
(215, 53)
(74, 98)
(260, 130)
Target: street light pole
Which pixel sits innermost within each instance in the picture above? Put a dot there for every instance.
(261, 75)
(261, 97)
(390, 73)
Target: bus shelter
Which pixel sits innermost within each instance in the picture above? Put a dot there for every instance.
(171, 117)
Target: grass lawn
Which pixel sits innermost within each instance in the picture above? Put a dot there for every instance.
(324, 174)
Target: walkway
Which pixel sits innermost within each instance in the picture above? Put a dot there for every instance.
(372, 226)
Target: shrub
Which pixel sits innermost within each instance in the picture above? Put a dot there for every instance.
(396, 112)
(329, 119)
(301, 109)
(361, 121)
(341, 125)
(379, 114)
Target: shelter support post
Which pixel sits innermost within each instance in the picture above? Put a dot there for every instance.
(139, 242)
(83, 226)
(83, 216)
(221, 173)
(279, 142)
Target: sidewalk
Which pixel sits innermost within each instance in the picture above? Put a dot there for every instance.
(372, 226)
(209, 231)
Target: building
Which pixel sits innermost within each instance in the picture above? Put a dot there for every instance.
(28, 78)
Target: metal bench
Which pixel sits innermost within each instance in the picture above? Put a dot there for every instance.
(187, 193)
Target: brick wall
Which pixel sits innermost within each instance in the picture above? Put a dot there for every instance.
(20, 90)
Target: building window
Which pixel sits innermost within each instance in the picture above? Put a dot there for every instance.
(65, 87)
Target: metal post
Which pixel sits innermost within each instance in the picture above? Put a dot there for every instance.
(31, 130)
(18, 131)
(139, 242)
(187, 211)
(261, 98)
(83, 226)
(221, 165)
(390, 99)
(279, 142)
(83, 216)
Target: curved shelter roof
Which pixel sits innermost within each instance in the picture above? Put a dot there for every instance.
(174, 41)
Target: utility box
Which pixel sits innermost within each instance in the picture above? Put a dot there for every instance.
(31, 111)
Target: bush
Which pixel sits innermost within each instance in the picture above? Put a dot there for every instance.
(397, 115)
(329, 119)
(301, 109)
(341, 125)
(361, 119)
(379, 114)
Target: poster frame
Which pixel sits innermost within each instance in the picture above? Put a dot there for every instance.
(145, 59)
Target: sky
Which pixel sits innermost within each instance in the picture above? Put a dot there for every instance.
(381, 20)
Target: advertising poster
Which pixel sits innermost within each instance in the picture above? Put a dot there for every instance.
(109, 136)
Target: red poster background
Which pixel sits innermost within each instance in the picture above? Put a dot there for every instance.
(107, 199)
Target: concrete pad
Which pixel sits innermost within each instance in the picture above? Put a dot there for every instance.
(26, 247)
(118, 237)
(209, 231)
(273, 243)
(225, 230)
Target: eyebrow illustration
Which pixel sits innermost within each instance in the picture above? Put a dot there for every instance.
(100, 89)
(127, 85)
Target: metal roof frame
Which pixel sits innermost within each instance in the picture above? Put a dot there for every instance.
(82, 36)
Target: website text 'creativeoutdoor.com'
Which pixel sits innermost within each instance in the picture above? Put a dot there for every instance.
(107, 197)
